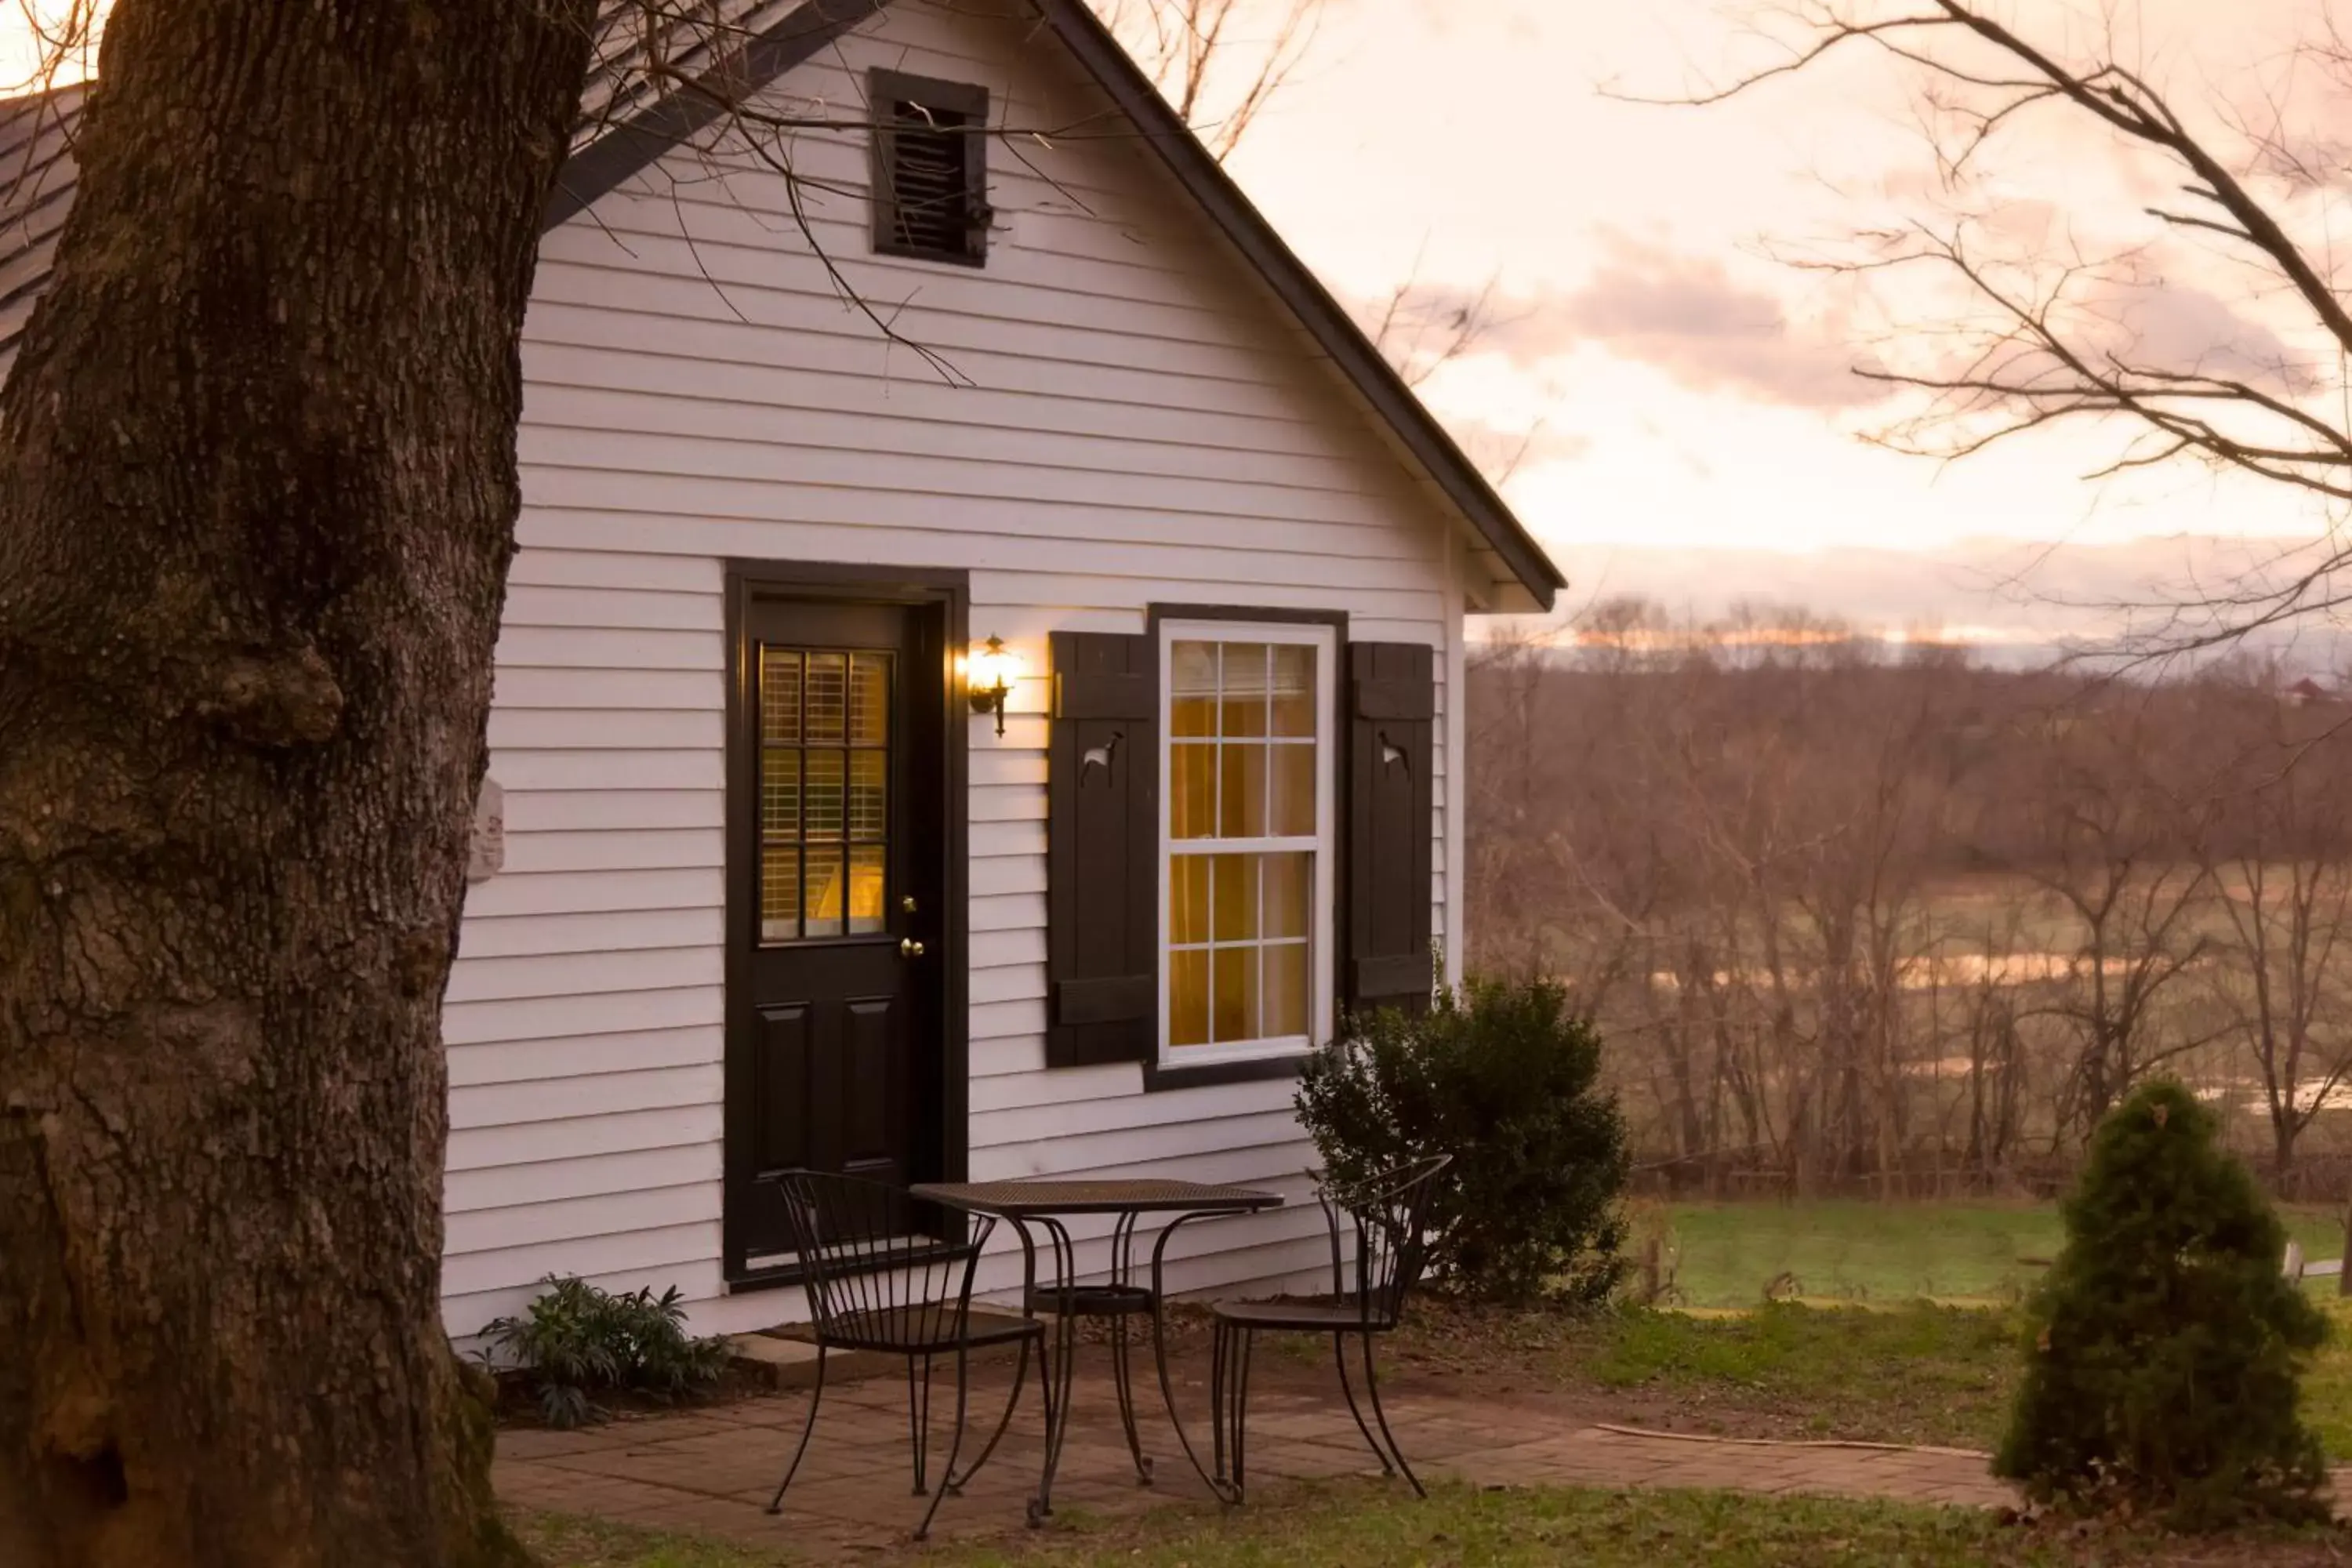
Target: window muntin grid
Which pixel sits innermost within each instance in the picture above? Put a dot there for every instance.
(1248, 842)
(824, 793)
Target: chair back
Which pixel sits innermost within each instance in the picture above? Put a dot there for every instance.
(1390, 1210)
(865, 1258)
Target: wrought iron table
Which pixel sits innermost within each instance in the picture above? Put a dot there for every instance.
(1045, 1204)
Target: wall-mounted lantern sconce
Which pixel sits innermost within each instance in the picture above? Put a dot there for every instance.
(993, 670)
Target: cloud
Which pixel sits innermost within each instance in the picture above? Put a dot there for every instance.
(1688, 317)
(2179, 329)
(1684, 315)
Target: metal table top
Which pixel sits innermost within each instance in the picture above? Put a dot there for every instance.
(1024, 1199)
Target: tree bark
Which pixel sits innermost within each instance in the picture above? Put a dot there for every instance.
(259, 498)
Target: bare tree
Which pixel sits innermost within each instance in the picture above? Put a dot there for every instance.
(1219, 62)
(2023, 331)
(2106, 837)
(1851, 917)
(2281, 864)
(258, 495)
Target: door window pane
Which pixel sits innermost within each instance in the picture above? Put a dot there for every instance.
(869, 795)
(822, 916)
(824, 783)
(869, 700)
(779, 793)
(867, 875)
(779, 892)
(824, 717)
(780, 695)
(826, 805)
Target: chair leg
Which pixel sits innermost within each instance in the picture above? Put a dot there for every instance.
(1168, 1395)
(1339, 1349)
(1123, 1381)
(1218, 1343)
(1241, 1412)
(1372, 1382)
(816, 1394)
(955, 1443)
(956, 1483)
(918, 1416)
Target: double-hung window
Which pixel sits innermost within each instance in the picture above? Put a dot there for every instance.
(1246, 786)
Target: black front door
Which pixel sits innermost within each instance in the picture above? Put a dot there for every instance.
(837, 868)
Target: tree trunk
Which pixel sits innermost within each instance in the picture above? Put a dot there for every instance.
(259, 498)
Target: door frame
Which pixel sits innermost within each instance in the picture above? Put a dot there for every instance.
(948, 592)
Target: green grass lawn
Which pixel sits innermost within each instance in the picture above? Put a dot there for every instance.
(1937, 1376)
(1362, 1525)
(1913, 1373)
(1864, 1251)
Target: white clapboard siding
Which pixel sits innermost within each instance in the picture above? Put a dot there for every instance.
(548, 1181)
(630, 931)
(525, 1061)
(524, 1143)
(1142, 425)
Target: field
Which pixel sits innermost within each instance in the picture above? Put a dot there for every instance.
(1725, 1254)
(1343, 1525)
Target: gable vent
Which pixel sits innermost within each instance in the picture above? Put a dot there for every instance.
(931, 169)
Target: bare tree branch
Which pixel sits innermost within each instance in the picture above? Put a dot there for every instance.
(2048, 339)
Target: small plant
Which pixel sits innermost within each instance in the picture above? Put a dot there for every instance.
(578, 1341)
(1504, 1077)
(2163, 1350)
(1655, 1253)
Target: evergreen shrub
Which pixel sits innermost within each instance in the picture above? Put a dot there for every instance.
(1505, 1077)
(2163, 1350)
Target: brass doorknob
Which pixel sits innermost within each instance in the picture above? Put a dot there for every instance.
(909, 948)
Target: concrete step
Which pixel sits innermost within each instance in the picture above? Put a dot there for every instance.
(785, 1355)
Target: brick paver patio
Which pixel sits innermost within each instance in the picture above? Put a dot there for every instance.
(710, 1472)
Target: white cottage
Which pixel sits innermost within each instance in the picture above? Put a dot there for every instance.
(774, 891)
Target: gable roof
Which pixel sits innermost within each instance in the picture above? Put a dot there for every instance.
(628, 124)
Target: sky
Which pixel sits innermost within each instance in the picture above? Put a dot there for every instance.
(1698, 433)
(1679, 393)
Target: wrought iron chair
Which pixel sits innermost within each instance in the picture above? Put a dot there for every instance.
(1390, 1217)
(877, 1283)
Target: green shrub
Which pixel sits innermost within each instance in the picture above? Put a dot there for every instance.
(2163, 1350)
(578, 1341)
(1503, 1077)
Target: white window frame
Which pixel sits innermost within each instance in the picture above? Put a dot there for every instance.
(1322, 915)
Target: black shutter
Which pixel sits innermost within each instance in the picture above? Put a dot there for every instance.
(1102, 877)
(1392, 721)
